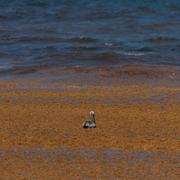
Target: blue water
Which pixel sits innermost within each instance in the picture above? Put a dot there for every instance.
(60, 33)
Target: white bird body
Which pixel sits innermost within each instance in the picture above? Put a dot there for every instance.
(90, 123)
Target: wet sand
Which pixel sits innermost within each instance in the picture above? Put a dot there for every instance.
(87, 163)
(137, 134)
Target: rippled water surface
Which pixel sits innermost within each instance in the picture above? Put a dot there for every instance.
(46, 34)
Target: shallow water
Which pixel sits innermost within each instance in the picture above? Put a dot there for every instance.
(38, 35)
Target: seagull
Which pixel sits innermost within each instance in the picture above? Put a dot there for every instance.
(91, 123)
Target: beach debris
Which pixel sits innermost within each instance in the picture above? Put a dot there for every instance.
(90, 123)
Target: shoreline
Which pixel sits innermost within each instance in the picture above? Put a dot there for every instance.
(127, 74)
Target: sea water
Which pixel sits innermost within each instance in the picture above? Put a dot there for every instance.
(61, 33)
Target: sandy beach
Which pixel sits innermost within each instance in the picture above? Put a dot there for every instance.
(137, 134)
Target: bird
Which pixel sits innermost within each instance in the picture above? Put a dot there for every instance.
(90, 123)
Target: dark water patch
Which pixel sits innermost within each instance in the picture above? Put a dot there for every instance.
(3, 17)
(39, 39)
(18, 71)
(162, 39)
(158, 26)
(100, 14)
(174, 7)
(3, 55)
(178, 46)
(146, 10)
(22, 71)
(106, 56)
(6, 37)
(25, 70)
(84, 48)
(146, 49)
(39, 4)
(92, 58)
